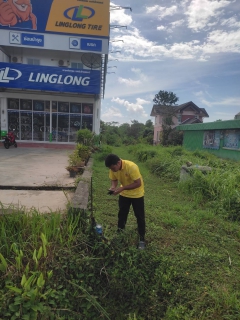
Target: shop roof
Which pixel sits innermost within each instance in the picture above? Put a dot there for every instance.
(217, 125)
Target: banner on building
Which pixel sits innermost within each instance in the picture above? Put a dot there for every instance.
(71, 17)
(45, 78)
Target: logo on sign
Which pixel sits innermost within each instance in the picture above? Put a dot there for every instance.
(79, 13)
(15, 38)
(7, 74)
(74, 43)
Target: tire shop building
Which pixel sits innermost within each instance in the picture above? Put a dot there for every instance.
(52, 68)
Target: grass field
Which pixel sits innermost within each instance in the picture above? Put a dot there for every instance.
(57, 267)
(197, 250)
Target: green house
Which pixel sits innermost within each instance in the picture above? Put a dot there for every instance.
(221, 138)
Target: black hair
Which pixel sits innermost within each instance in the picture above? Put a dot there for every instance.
(111, 159)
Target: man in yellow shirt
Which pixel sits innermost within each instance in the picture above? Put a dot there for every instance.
(131, 192)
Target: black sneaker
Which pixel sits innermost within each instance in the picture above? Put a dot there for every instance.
(141, 245)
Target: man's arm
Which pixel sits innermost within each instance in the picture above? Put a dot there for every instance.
(114, 184)
(136, 184)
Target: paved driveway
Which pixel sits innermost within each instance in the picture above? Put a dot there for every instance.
(33, 167)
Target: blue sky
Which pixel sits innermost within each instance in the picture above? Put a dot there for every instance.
(189, 47)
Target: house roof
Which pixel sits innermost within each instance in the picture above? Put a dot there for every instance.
(162, 109)
(217, 125)
(191, 120)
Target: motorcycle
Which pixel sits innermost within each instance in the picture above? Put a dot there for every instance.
(9, 140)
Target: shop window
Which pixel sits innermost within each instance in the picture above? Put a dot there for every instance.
(87, 108)
(33, 61)
(13, 121)
(75, 107)
(87, 121)
(25, 125)
(211, 139)
(63, 124)
(75, 125)
(76, 65)
(13, 104)
(25, 104)
(54, 106)
(38, 105)
(63, 107)
(231, 139)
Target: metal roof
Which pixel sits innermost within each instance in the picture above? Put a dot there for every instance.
(217, 125)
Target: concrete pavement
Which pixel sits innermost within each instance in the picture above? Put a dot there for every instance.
(32, 168)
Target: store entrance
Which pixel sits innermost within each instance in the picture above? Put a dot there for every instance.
(31, 119)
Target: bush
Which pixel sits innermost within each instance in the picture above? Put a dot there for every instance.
(85, 136)
(104, 152)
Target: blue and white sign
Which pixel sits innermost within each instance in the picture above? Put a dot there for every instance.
(74, 43)
(15, 38)
(24, 76)
(31, 39)
(91, 45)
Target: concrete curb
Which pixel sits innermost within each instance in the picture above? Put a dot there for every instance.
(81, 197)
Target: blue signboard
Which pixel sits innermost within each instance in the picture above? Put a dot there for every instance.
(72, 17)
(91, 45)
(24, 76)
(31, 39)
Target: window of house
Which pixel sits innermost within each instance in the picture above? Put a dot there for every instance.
(211, 139)
(33, 61)
(76, 65)
(231, 139)
(179, 117)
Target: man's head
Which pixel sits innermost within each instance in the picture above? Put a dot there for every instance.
(113, 162)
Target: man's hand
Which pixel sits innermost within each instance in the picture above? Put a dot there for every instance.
(118, 190)
(7, 16)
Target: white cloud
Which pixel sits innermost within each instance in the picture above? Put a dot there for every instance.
(142, 101)
(110, 114)
(233, 101)
(161, 28)
(119, 17)
(135, 46)
(201, 12)
(132, 108)
(162, 11)
(199, 93)
(222, 41)
(231, 22)
(136, 70)
(177, 23)
(129, 82)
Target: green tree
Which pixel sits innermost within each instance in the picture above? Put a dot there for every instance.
(136, 129)
(166, 98)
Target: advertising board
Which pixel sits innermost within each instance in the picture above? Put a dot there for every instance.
(72, 17)
(45, 78)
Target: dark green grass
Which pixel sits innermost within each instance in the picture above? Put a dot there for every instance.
(200, 250)
(190, 269)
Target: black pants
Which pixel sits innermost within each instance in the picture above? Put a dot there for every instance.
(138, 209)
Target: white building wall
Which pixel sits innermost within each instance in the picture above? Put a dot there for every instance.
(46, 58)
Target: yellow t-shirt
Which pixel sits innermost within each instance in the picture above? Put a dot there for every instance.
(127, 175)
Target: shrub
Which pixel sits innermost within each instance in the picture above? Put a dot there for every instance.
(105, 150)
(85, 136)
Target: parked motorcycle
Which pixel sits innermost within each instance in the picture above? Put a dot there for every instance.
(9, 140)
